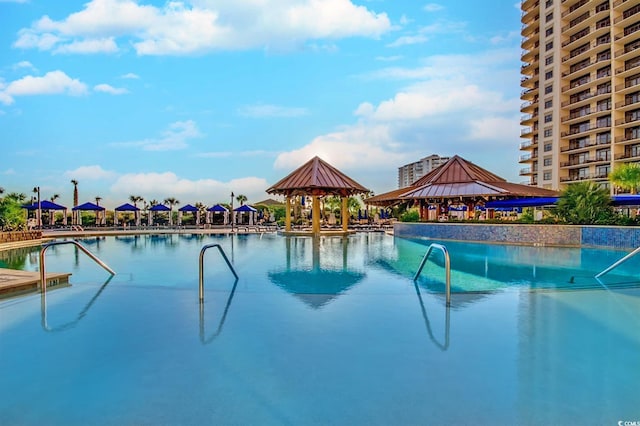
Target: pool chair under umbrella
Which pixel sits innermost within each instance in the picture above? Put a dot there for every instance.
(217, 209)
(188, 209)
(126, 207)
(157, 208)
(89, 206)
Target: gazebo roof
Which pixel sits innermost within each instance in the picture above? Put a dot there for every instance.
(317, 177)
(126, 207)
(459, 178)
(245, 208)
(160, 208)
(44, 205)
(88, 206)
(218, 208)
(188, 208)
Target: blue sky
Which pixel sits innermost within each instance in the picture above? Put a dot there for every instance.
(196, 99)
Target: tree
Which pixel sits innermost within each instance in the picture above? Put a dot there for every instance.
(75, 192)
(171, 202)
(626, 176)
(135, 199)
(584, 203)
(54, 197)
(11, 214)
(241, 199)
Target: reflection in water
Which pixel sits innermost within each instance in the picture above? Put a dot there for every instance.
(211, 338)
(443, 346)
(17, 258)
(314, 284)
(81, 315)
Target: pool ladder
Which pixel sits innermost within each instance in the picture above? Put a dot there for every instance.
(201, 269)
(43, 279)
(447, 267)
(616, 264)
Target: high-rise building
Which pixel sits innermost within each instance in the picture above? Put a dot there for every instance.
(411, 172)
(581, 89)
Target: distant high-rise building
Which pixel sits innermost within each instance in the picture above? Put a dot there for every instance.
(411, 172)
(581, 89)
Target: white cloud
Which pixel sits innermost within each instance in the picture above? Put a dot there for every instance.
(433, 7)
(105, 88)
(104, 45)
(52, 83)
(24, 64)
(130, 76)
(176, 137)
(408, 40)
(93, 172)
(9, 172)
(167, 184)
(271, 111)
(389, 58)
(179, 28)
(452, 104)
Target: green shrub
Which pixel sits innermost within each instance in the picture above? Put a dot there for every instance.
(410, 216)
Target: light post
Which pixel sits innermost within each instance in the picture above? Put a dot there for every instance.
(231, 212)
(39, 211)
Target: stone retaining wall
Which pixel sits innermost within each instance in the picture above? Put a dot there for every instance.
(12, 237)
(521, 234)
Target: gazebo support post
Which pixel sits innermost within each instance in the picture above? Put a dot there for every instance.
(315, 214)
(287, 214)
(345, 214)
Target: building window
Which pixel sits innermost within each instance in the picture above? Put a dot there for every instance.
(549, 3)
(549, 17)
(546, 176)
(548, 147)
(548, 89)
(548, 118)
(548, 46)
(548, 75)
(547, 161)
(548, 60)
(548, 104)
(604, 121)
(548, 132)
(603, 138)
(549, 31)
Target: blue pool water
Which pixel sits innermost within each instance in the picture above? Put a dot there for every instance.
(326, 331)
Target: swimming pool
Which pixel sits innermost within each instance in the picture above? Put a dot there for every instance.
(324, 331)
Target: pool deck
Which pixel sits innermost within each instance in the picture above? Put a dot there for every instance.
(14, 282)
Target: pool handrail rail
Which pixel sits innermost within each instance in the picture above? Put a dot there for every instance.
(45, 247)
(616, 264)
(447, 267)
(201, 267)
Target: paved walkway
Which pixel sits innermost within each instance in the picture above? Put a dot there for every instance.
(13, 282)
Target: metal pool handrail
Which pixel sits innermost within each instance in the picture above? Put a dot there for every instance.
(447, 267)
(201, 269)
(43, 280)
(624, 259)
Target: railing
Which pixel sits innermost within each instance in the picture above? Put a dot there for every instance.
(616, 264)
(43, 279)
(447, 268)
(201, 269)
(203, 339)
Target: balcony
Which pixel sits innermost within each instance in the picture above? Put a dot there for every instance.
(627, 17)
(529, 144)
(575, 10)
(628, 69)
(627, 139)
(628, 122)
(530, 27)
(530, 13)
(628, 104)
(629, 34)
(619, 3)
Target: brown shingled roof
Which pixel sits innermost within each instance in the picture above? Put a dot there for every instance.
(317, 177)
(459, 178)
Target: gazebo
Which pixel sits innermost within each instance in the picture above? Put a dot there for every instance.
(50, 207)
(456, 184)
(217, 209)
(189, 209)
(126, 207)
(245, 208)
(317, 178)
(158, 208)
(89, 206)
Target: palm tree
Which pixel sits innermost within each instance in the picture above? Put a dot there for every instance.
(135, 199)
(626, 176)
(1, 190)
(98, 200)
(75, 192)
(54, 197)
(171, 202)
(584, 203)
(241, 199)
